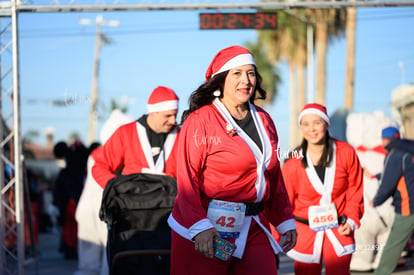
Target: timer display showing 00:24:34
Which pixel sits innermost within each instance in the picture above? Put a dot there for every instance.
(237, 21)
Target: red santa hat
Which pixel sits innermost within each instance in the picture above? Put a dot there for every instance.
(162, 99)
(229, 58)
(315, 109)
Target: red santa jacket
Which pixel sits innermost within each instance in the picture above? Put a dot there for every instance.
(128, 148)
(343, 186)
(218, 160)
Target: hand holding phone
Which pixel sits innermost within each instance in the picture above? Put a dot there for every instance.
(223, 249)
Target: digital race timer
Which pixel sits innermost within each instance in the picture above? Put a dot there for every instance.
(237, 21)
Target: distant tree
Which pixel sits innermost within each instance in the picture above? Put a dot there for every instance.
(268, 71)
(288, 43)
(350, 57)
(116, 105)
(30, 135)
(330, 24)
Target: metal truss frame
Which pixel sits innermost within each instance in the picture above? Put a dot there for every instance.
(11, 176)
(12, 258)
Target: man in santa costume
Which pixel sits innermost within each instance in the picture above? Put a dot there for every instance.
(325, 187)
(147, 145)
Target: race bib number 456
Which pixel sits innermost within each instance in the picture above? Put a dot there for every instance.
(322, 217)
(227, 217)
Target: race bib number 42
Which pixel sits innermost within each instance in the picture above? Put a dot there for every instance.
(227, 217)
(322, 217)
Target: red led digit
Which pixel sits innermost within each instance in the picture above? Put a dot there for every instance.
(232, 21)
(244, 20)
(271, 19)
(238, 21)
(205, 21)
(218, 21)
(259, 21)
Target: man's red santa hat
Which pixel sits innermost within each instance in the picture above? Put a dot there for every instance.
(315, 109)
(229, 58)
(162, 99)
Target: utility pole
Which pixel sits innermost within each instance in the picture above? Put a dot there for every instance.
(100, 38)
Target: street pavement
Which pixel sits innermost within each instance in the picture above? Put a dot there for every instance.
(51, 262)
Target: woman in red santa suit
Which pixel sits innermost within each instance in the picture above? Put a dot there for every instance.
(147, 145)
(229, 179)
(325, 188)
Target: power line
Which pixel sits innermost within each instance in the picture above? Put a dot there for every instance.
(51, 118)
(112, 33)
(272, 5)
(182, 27)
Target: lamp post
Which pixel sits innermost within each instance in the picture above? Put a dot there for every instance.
(100, 38)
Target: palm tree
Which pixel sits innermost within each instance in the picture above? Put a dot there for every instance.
(350, 58)
(268, 71)
(288, 42)
(330, 23)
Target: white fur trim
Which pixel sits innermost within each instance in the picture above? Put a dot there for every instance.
(239, 60)
(314, 112)
(325, 188)
(163, 106)
(339, 248)
(277, 249)
(309, 258)
(146, 148)
(286, 226)
(352, 223)
(242, 239)
(262, 158)
(189, 233)
(158, 167)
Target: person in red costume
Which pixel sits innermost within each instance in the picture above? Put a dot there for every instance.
(147, 145)
(229, 178)
(325, 187)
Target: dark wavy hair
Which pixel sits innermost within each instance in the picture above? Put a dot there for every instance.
(204, 93)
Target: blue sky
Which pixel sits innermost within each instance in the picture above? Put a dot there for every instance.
(167, 48)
